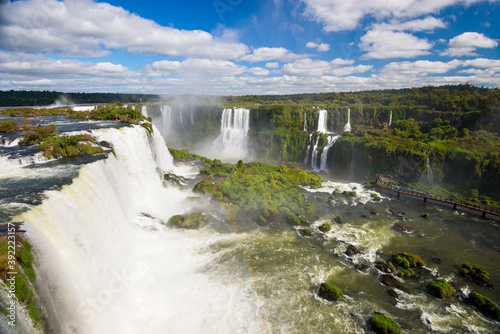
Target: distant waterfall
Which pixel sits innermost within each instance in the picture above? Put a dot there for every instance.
(324, 154)
(314, 158)
(144, 111)
(347, 127)
(390, 119)
(308, 150)
(235, 123)
(429, 171)
(166, 116)
(322, 120)
(305, 122)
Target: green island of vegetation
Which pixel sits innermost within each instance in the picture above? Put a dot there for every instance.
(255, 191)
(408, 260)
(475, 273)
(440, 288)
(382, 324)
(485, 305)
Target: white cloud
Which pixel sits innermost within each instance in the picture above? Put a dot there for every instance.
(193, 68)
(383, 44)
(86, 28)
(272, 65)
(467, 43)
(322, 47)
(266, 54)
(42, 66)
(316, 68)
(337, 15)
(420, 67)
(428, 24)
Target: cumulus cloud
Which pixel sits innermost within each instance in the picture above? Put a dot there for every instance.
(322, 47)
(310, 67)
(420, 67)
(266, 54)
(337, 15)
(193, 67)
(42, 66)
(88, 28)
(383, 44)
(467, 43)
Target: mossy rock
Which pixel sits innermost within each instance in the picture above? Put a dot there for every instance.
(406, 273)
(382, 324)
(485, 305)
(425, 215)
(440, 288)
(307, 232)
(187, 221)
(339, 220)
(408, 260)
(330, 292)
(476, 273)
(325, 227)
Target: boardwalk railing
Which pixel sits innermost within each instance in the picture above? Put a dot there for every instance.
(426, 197)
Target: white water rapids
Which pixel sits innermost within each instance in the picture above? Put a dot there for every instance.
(107, 265)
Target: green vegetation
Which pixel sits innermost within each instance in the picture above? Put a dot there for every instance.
(425, 215)
(259, 192)
(485, 305)
(8, 126)
(187, 221)
(382, 324)
(186, 156)
(440, 288)
(24, 277)
(330, 292)
(325, 227)
(69, 146)
(406, 273)
(37, 134)
(474, 271)
(408, 260)
(391, 267)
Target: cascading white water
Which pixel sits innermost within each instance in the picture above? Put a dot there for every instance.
(347, 126)
(166, 117)
(390, 119)
(232, 140)
(180, 115)
(305, 122)
(105, 262)
(314, 157)
(308, 150)
(324, 154)
(322, 120)
(429, 171)
(144, 111)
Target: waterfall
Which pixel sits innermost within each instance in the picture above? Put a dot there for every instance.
(166, 117)
(308, 150)
(429, 171)
(107, 264)
(390, 119)
(144, 111)
(305, 122)
(180, 115)
(191, 115)
(232, 140)
(324, 154)
(314, 157)
(347, 127)
(322, 120)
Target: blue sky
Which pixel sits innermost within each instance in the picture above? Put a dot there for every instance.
(238, 47)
